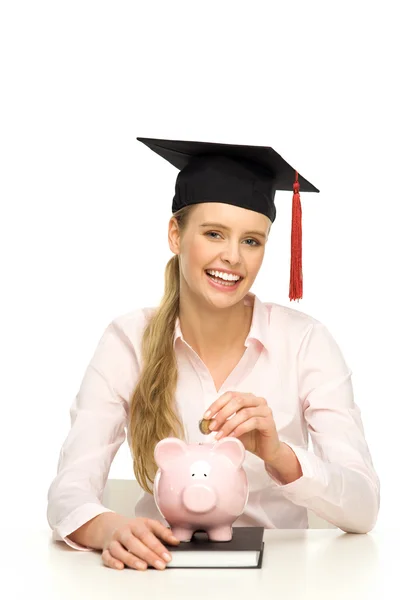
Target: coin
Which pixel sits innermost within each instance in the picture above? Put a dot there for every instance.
(204, 426)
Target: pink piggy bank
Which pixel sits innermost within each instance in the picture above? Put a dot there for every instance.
(200, 486)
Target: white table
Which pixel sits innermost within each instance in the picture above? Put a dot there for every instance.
(298, 564)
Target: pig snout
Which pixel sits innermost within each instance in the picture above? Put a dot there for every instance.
(199, 498)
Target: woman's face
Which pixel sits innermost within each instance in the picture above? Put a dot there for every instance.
(220, 237)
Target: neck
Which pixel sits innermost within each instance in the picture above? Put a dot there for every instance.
(213, 331)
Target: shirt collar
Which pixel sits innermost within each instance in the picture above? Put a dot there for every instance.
(259, 323)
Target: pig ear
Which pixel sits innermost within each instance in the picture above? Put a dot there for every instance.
(167, 450)
(233, 449)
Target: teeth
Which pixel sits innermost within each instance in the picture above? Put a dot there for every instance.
(226, 276)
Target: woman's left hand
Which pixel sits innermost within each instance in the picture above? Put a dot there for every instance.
(253, 424)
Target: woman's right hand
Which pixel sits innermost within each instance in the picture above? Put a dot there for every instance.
(136, 544)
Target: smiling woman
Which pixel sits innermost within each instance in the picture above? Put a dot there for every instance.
(271, 376)
(228, 261)
(227, 277)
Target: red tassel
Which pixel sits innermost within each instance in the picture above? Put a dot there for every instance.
(296, 268)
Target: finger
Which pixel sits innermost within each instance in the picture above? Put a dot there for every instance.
(241, 416)
(145, 545)
(142, 551)
(161, 531)
(259, 423)
(218, 404)
(237, 404)
(110, 561)
(132, 560)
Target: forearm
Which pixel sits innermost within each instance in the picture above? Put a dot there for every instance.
(93, 533)
(347, 497)
(285, 467)
(344, 496)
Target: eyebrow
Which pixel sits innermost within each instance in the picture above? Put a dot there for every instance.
(260, 233)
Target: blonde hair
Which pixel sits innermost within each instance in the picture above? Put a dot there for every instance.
(153, 413)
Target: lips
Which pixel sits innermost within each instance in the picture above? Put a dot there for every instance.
(221, 278)
(225, 272)
(222, 285)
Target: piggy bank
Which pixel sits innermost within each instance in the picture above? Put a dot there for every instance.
(200, 486)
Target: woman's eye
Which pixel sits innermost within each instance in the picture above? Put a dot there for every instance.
(255, 242)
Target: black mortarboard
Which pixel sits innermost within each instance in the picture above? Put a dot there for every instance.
(245, 176)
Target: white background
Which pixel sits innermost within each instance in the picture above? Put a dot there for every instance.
(85, 207)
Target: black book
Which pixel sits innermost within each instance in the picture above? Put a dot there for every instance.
(244, 550)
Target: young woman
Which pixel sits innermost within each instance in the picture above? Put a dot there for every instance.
(270, 375)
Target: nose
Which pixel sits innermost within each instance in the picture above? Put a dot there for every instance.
(199, 498)
(231, 253)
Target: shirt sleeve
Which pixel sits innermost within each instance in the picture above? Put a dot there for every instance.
(339, 482)
(98, 416)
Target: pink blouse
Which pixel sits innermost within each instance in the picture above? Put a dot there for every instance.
(292, 361)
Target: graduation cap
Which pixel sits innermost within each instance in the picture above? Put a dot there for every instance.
(245, 176)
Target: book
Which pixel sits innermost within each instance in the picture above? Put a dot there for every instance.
(244, 550)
